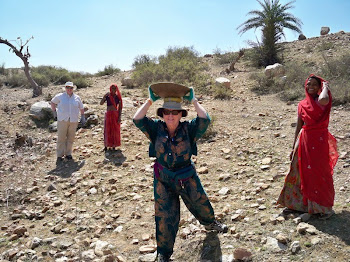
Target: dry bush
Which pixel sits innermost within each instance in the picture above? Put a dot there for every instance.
(337, 72)
(179, 65)
(289, 88)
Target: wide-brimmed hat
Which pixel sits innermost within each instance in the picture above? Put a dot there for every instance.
(70, 84)
(173, 105)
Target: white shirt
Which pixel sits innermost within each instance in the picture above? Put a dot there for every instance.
(68, 107)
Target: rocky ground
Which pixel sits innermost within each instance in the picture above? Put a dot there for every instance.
(100, 206)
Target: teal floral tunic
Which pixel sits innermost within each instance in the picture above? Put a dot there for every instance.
(173, 153)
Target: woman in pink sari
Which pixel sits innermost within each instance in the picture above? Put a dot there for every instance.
(309, 186)
(112, 117)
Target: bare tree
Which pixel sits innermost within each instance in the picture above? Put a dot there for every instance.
(233, 63)
(24, 54)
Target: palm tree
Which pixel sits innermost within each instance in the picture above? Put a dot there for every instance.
(272, 20)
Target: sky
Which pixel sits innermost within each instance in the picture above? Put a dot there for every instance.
(87, 35)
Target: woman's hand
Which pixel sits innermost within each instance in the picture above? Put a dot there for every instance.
(190, 97)
(323, 98)
(152, 96)
(325, 84)
(82, 120)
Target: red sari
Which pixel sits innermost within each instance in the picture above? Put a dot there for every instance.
(112, 119)
(310, 180)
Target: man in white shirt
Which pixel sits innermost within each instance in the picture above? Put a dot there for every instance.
(68, 106)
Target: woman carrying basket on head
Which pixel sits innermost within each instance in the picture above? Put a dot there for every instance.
(173, 142)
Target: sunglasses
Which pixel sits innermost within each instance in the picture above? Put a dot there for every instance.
(171, 112)
(69, 87)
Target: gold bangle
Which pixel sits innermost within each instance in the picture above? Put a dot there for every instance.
(149, 100)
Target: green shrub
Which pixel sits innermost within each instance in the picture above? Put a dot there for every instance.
(253, 56)
(81, 82)
(309, 49)
(179, 65)
(221, 92)
(17, 80)
(3, 70)
(325, 45)
(143, 60)
(289, 88)
(41, 80)
(222, 58)
(109, 70)
(337, 72)
(45, 75)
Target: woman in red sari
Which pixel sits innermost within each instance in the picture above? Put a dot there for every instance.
(112, 117)
(309, 186)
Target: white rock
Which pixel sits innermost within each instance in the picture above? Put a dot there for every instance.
(295, 247)
(224, 191)
(227, 258)
(40, 110)
(273, 245)
(148, 257)
(266, 161)
(88, 255)
(102, 248)
(316, 240)
(274, 70)
(223, 81)
(127, 81)
(118, 229)
(93, 191)
(147, 249)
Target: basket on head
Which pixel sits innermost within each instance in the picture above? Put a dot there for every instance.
(172, 94)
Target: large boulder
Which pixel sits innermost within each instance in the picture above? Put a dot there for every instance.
(41, 110)
(275, 70)
(223, 81)
(128, 82)
(325, 30)
(302, 37)
(92, 120)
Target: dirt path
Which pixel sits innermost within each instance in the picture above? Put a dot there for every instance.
(109, 197)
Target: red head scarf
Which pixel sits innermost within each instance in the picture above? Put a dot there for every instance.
(112, 94)
(313, 114)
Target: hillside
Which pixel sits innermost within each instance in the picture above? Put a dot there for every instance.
(62, 214)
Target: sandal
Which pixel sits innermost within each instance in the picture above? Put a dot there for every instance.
(327, 215)
(288, 211)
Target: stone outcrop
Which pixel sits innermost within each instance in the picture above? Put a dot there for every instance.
(325, 30)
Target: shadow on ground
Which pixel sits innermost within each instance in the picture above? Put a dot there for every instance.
(211, 250)
(115, 156)
(337, 225)
(67, 168)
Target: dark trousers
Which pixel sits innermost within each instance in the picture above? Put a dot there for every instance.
(167, 208)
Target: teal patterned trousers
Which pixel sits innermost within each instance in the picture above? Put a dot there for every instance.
(167, 207)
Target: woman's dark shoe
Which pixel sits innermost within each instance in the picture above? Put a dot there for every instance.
(162, 258)
(59, 160)
(216, 226)
(286, 211)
